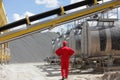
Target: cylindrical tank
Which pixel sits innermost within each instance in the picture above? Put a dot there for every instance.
(75, 41)
(100, 41)
(94, 41)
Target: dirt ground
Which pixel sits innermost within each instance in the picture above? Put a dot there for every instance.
(43, 71)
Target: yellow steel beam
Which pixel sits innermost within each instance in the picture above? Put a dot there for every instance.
(95, 1)
(3, 21)
(62, 10)
(28, 20)
(3, 14)
(60, 19)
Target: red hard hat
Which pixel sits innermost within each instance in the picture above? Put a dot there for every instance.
(64, 43)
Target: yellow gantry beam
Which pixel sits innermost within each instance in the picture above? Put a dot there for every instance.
(4, 56)
(3, 17)
(95, 1)
(58, 20)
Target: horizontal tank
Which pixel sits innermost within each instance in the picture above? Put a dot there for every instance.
(96, 41)
(100, 40)
(73, 39)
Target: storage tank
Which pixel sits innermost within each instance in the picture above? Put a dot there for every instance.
(75, 40)
(94, 41)
(72, 37)
(100, 40)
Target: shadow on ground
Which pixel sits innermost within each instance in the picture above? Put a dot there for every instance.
(55, 70)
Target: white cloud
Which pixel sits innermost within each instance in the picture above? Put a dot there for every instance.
(17, 17)
(48, 3)
(76, 9)
(106, 0)
(40, 1)
(75, 1)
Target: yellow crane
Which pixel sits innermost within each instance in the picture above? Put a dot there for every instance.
(4, 55)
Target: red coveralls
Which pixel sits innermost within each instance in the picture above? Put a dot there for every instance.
(65, 53)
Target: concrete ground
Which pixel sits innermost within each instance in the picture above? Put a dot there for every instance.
(41, 71)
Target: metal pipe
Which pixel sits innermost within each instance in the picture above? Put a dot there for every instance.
(45, 14)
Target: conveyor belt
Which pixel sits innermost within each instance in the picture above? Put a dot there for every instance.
(46, 14)
(55, 21)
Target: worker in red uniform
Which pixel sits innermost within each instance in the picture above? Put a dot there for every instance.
(64, 52)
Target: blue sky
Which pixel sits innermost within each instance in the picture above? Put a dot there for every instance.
(16, 9)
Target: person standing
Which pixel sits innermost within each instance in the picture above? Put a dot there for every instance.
(64, 53)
